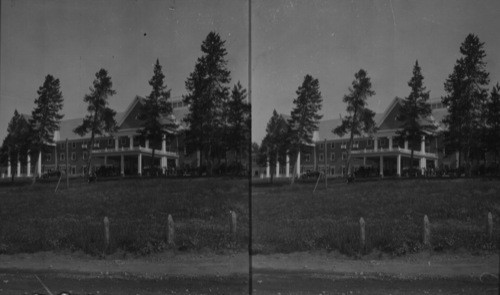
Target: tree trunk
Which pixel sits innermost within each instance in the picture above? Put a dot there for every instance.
(411, 161)
(151, 165)
(349, 153)
(89, 161)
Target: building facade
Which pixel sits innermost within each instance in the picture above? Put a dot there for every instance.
(121, 152)
(380, 153)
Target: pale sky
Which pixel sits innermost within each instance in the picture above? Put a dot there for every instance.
(72, 40)
(331, 40)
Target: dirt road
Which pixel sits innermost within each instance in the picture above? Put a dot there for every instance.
(296, 273)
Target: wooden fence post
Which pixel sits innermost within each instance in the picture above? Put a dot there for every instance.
(362, 233)
(427, 231)
(171, 231)
(106, 233)
(490, 226)
(233, 224)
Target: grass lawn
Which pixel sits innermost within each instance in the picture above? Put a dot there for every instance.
(291, 218)
(34, 218)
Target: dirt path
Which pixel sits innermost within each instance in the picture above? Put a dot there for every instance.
(296, 273)
(407, 267)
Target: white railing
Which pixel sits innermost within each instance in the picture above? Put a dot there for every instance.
(395, 149)
(134, 149)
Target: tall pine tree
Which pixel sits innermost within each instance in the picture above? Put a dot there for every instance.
(304, 117)
(414, 112)
(16, 144)
(46, 116)
(466, 94)
(492, 114)
(274, 145)
(100, 119)
(359, 117)
(156, 106)
(207, 93)
(238, 118)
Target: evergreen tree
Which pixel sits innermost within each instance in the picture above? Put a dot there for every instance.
(46, 117)
(466, 94)
(274, 145)
(16, 144)
(100, 118)
(304, 117)
(492, 114)
(238, 118)
(207, 94)
(415, 111)
(156, 106)
(359, 117)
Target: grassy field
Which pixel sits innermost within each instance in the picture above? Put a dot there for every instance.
(291, 218)
(34, 218)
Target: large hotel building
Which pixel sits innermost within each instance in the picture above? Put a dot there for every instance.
(122, 152)
(380, 153)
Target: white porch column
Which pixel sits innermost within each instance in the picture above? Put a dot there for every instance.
(457, 160)
(287, 173)
(28, 166)
(9, 169)
(198, 160)
(177, 162)
(163, 163)
(277, 166)
(163, 144)
(406, 144)
(390, 143)
(423, 165)
(131, 137)
(375, 143)
(147, 143)
(39, 164)
(105, 160)
(122, 165)
(399, 165)
(435, 164)
(364, 161)
(18, 167)
(268, 168)
(422, 145)
(139, 164)
(298, 164)
(381, 166)
(116, 143)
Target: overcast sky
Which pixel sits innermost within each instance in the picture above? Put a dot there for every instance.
(331, 40)
(72, 40)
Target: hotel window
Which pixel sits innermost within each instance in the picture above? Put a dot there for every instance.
(332, 157)
(123, 141)
(48, 157)
(344, 156)
(63, 146)
(343, 145)
(84, 145)
(84, 157)
(73, 156)
(110, 142)
(73, 144)
(343, 170)
(321, 157)
(355, 144)
(369, 143)
(62, 157)
(321, 146)
(306, 157)
(73, 170)
(332, 145)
